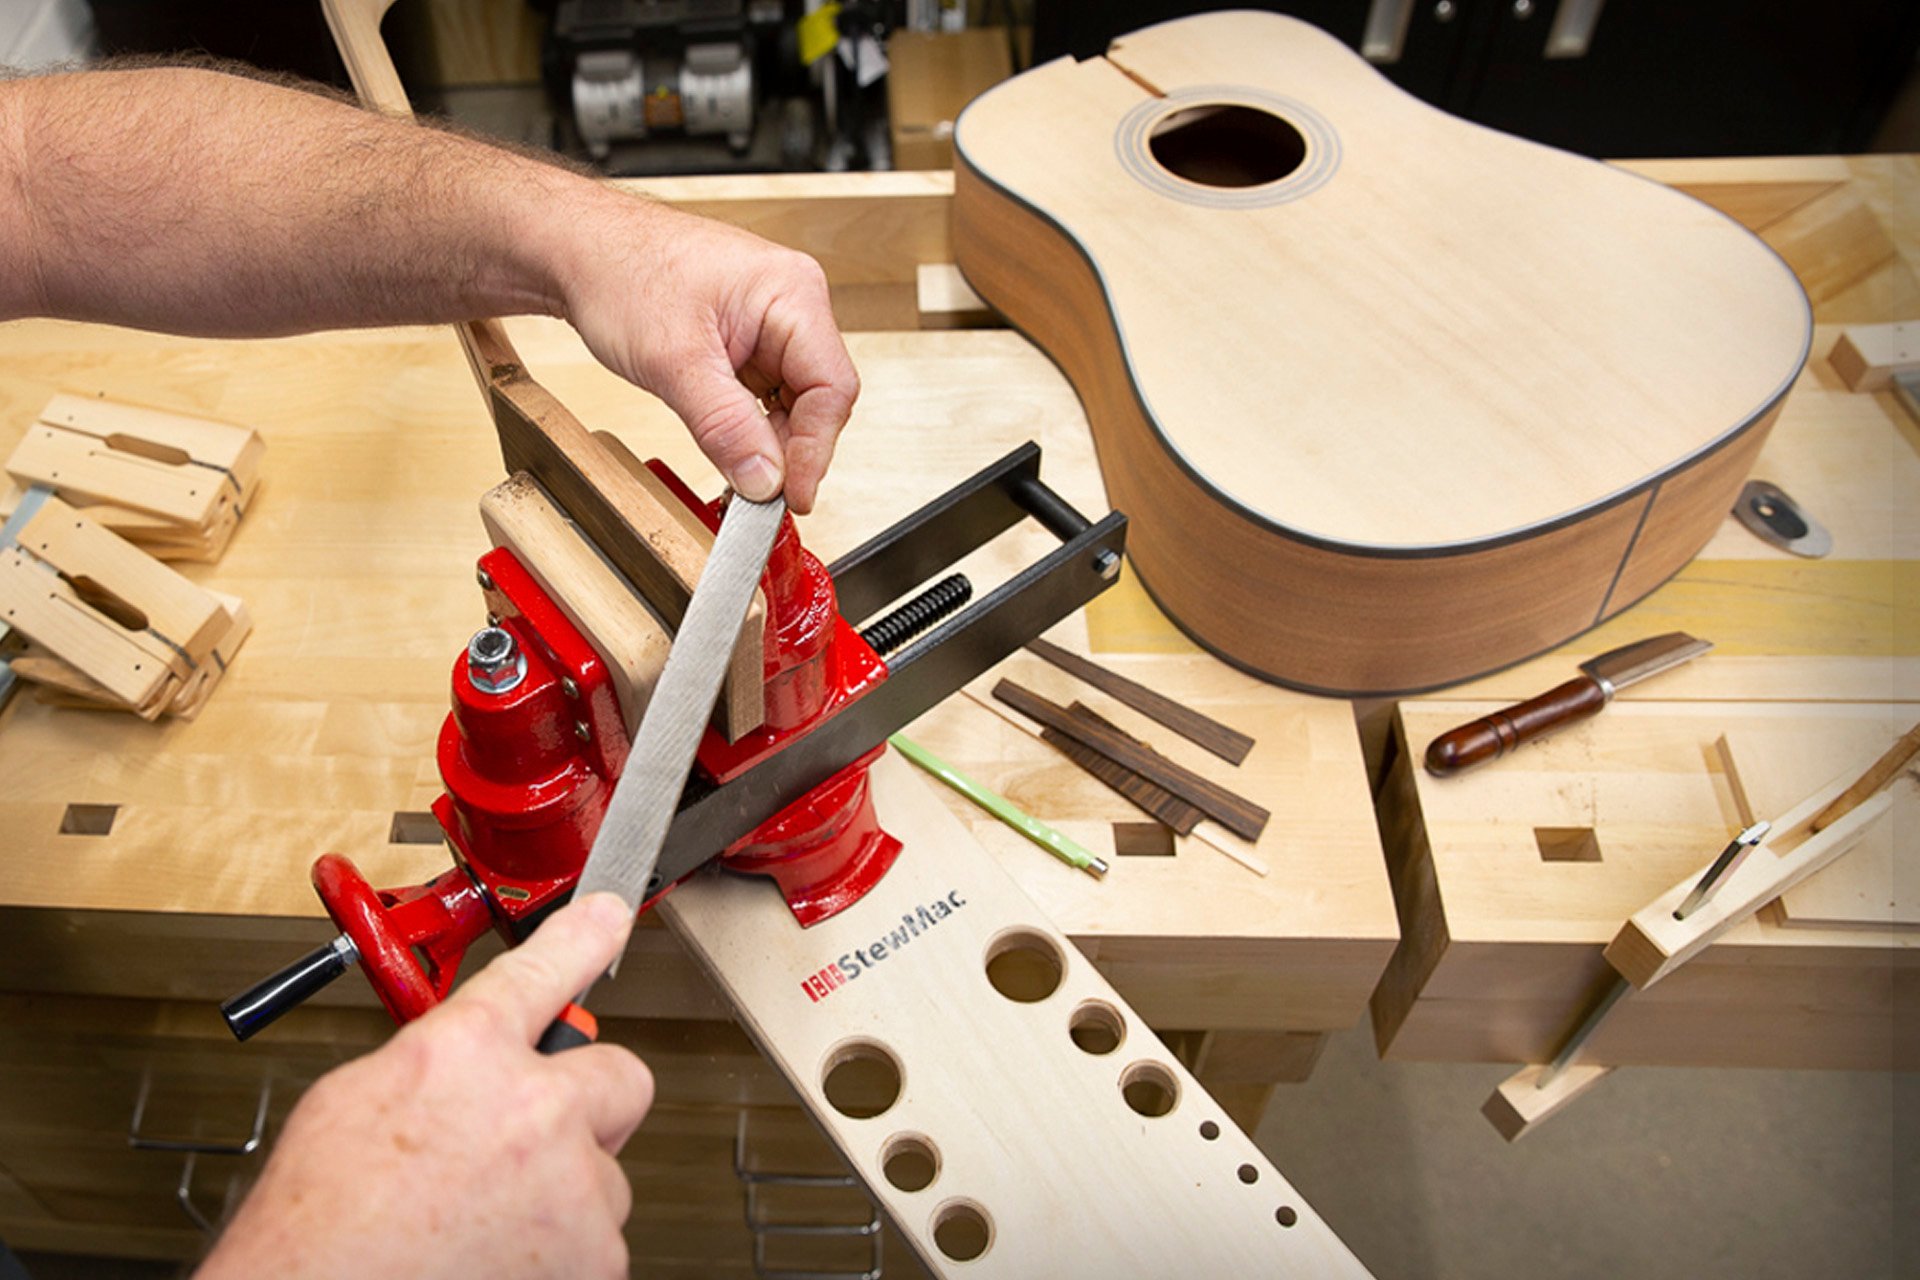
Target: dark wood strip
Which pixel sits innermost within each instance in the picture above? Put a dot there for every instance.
(1155, 801)
(1229, 744)
(1237, 813)
(1177, 807)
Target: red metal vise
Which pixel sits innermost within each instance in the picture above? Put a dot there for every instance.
(537, 738)
(530, 755)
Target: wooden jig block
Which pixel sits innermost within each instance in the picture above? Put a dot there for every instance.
(1870, 356)
(171, 484)
(1653, 943)
(520, 516)
(1522, 1102)
(649, 541)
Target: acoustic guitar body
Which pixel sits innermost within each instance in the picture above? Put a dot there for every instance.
(1391, 400)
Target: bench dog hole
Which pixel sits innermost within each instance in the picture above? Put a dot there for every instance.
(861, 1079)
(1567, 844)
(414, 828)
(1142, 840)
(1024, 965)
(910, 1161)
(962, 1230)
(1149, 1089)
(88, 819)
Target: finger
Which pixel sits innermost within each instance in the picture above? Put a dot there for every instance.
(615, 1187)
(728, 425)
(616, 1089)
(821, 387)
(811, 436)
(528, 985)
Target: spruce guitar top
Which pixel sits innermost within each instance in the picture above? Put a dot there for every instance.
(1391, 399)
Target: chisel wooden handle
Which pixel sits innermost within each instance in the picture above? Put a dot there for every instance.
(1491, 737)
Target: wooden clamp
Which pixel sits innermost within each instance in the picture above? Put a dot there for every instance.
(111, 625)
(172, 484)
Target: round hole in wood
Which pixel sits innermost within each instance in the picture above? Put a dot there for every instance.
(861, 1079)
(1249, 1174)
(910, 1161)
(962, 1230)
(1209, 1130)
(1097, 1027)
(1149, 1089)
(1285, 1215)
(1024, 965)
(1224, 144)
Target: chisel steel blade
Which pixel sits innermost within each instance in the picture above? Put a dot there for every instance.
(627, 846)
(1632, 663)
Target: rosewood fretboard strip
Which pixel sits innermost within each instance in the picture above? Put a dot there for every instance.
(1229, 744)
(1238, 814)
(1153, 799)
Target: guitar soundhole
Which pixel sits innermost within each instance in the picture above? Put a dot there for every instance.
(1227, 145)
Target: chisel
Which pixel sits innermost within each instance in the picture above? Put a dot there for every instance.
(1587, 694)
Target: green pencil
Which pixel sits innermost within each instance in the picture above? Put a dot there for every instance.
(1000, 807)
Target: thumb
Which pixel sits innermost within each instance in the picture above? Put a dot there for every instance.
(730, 429)
(529, 984)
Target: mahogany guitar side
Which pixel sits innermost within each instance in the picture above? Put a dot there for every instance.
(1390, 399)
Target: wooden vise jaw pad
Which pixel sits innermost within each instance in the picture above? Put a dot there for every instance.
(611, 544)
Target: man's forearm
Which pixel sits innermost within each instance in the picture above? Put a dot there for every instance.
(198, 202)
(195, 202)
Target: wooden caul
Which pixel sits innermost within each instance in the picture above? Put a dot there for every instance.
(1390, 399)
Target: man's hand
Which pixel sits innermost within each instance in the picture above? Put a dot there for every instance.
(193, 202)
(734, 333)
(455, 1150)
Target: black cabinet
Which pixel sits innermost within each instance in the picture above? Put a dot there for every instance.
(1612, 78)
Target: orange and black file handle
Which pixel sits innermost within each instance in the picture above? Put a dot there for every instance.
(572, 1029)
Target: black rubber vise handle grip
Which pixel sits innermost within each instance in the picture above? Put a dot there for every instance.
(264, 1001)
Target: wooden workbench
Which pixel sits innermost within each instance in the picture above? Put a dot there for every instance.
(357, 563)
(1816, 669)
